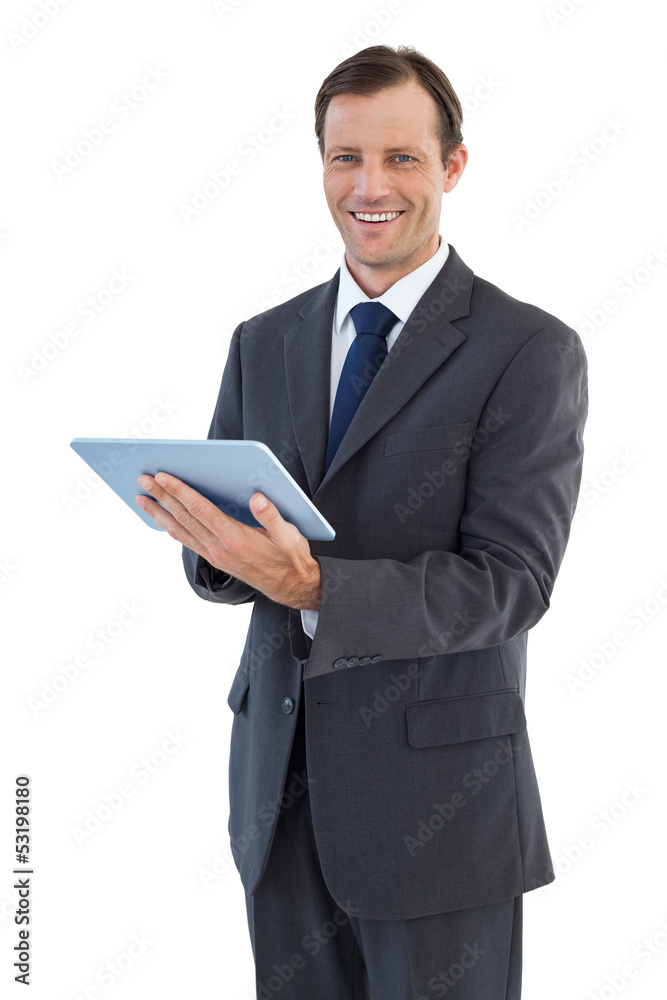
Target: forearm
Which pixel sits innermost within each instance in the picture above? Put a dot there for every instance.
(440, 602)
(212, 584)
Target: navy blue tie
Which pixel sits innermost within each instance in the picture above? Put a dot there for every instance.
(373, 322)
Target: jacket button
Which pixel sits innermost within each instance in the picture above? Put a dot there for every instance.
(375, 658)
(342, 662)
(364, 660)
(353, 661)
(287, 705)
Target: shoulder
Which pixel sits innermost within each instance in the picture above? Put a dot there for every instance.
(491, 303)
(511, 325)
(279, 318)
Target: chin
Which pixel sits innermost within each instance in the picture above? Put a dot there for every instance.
(378, 260)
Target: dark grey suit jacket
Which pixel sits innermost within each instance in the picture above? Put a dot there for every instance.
(452, 496)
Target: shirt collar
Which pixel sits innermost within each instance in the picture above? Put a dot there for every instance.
(401, 298)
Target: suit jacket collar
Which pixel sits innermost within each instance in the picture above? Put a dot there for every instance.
(424, 343)
(401, 297)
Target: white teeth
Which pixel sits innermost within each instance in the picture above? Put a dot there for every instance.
(385, 217)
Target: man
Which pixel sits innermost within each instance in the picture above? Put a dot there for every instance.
(385, 816)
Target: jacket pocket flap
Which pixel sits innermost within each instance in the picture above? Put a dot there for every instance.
(238, 690)
(426, 438)
(467, 717)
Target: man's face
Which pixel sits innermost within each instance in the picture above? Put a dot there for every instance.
(382, 155)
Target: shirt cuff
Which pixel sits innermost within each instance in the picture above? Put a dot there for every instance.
(309, 621)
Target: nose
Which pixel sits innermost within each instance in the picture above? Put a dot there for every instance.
(372, 183)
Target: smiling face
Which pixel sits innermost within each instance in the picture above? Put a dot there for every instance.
(382, 163)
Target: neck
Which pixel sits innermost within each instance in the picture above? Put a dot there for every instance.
(374, 281)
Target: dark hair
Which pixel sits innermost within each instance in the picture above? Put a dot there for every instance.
(381, 66)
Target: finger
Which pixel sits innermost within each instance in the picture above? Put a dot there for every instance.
(271, 519)
(196, 518)
(165, 520)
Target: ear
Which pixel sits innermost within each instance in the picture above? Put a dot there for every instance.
(455, 167)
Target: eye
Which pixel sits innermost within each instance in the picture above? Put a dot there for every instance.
(346, 157)
(403, 157)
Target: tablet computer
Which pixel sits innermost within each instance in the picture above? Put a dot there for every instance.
(226, 472)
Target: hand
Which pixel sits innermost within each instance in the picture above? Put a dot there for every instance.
(273, 558)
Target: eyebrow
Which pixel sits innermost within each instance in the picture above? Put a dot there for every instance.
(392, 149)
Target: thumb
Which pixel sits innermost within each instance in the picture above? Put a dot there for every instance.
(262, 508)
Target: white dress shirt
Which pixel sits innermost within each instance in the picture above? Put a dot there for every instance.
(401, 298)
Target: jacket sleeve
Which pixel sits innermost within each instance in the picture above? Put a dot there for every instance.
(207, 581)
(521, 493)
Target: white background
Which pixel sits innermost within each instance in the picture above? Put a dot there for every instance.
(537, 91)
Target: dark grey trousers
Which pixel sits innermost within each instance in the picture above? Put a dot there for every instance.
(307, 947)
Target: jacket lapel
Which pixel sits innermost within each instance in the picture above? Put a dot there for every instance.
(425, 342)
(308, 373)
